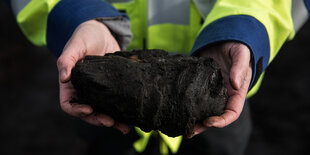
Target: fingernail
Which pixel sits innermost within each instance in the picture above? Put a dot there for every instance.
(235, 84)
(123, 131)
(107, 123)
(126, 131)
(193, 135)
(238, 84)
(63, 74)
(83, 115)
(208, 123)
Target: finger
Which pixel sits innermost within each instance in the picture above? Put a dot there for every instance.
(232, 112)
(240, 65)
(98, 120)
(233, 108)
(74, 109)
(73, 52)
(124, 128)
(199, 128)
(92, 119)
(105, 120)
(221, 121)
(81, 110)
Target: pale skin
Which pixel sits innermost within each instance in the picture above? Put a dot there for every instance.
(89, 38)
(94, 38)
(235, 62)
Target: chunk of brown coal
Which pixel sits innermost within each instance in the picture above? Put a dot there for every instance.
(151, 89)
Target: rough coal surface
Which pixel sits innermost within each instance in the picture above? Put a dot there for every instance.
(151, 89)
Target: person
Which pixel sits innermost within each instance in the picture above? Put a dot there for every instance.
(242, 36)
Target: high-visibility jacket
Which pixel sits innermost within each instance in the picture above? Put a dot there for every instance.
(178, 26)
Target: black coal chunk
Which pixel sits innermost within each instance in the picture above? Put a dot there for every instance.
(151, 89)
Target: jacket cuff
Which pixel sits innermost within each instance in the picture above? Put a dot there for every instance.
(241, 28)
(68, 14)
(120, 29)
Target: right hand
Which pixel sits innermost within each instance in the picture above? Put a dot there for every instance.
(89, 38)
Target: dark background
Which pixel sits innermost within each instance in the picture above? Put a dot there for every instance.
(31, 121)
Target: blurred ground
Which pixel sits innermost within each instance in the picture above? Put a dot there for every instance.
(31, 121)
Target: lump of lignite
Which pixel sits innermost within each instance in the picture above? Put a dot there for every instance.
(151, 89)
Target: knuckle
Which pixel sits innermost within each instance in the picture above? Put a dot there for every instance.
(69, 109)
(60, 62)
(64, 107)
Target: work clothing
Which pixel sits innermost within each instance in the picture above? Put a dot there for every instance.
(231, 140)
(178, 26)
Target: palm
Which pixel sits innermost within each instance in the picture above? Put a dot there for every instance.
(234, 61)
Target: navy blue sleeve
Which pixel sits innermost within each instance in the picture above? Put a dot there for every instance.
(240, 28)
(307, 3)
(68, 14)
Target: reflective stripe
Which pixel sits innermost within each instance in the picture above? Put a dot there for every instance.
(299, 14)
(118, 1)
(18, 5)
(168, 11)
(173, 143)
(141, 143)
(120, 26)
(32, 20)
(204, 6)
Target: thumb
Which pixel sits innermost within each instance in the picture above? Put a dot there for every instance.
(69, 57)
(240, 66)
(65, 65)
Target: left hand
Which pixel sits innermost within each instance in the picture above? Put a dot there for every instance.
(234, 60)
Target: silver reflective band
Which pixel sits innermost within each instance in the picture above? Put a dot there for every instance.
(299, 14)
(118, 1)
(120, 28)
(204, 6)
(168, 11)
(18, 5)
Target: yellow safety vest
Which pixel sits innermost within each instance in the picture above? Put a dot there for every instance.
(173, 25)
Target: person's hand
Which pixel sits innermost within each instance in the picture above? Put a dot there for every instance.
(89, 38)
(234, 60)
